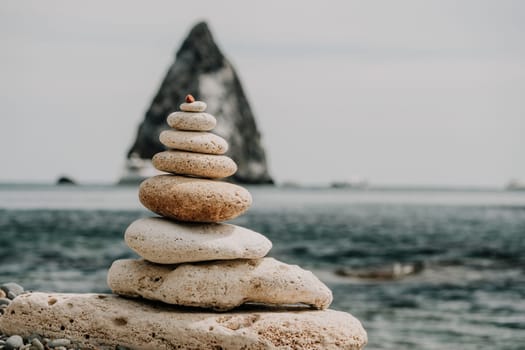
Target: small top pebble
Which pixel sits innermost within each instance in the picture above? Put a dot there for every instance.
(192, 106)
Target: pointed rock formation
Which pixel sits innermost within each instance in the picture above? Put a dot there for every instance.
(202, 70)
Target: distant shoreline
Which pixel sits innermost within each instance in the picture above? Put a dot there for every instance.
(322, 186)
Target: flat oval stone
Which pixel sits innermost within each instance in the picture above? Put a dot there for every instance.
(196, 106)
(163, 241)
(191, 121)
(55, 343)
(219, 285)
(195, 164)
(194, 141)
(191, 199)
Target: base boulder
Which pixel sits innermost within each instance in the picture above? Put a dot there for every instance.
(101, 321)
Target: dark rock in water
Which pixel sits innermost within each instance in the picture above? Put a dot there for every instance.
(64, 180)
(390, 272)
(201, 69)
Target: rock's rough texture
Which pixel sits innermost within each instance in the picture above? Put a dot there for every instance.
(201, 69)
(220, 285)
(194, 141)
(164, 241)
(196, 164)
(191, 199)
(196, 106)
(102, 320)
(191, 121)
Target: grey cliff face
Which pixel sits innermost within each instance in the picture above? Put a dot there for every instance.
(201, 69)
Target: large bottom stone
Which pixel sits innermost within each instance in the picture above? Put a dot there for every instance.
(103, 321)
(219, 285)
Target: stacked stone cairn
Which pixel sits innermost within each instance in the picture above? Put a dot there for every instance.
(189, 257)
(192, 266)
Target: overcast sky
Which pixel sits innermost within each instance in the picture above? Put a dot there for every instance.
(399, 92)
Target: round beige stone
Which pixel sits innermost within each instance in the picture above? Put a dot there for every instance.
(164, 241)
(194, 141)
(192, 121)
(196, 164)
(191, 199)
(196, 106)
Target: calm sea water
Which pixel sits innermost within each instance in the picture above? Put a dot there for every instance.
(470, 293)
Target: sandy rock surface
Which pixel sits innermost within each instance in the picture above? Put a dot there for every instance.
(167, 242)
(219, 285)
(195, 106)
(103, 321)
(191, 199)
(195, 164)
(192, 121)
(194, 141)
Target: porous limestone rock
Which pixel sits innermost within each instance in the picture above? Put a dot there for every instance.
(191, 121)
(220, 285)
(103, 321)
(195, 164)
(194, 141)
(191, 199)
(163, 241)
